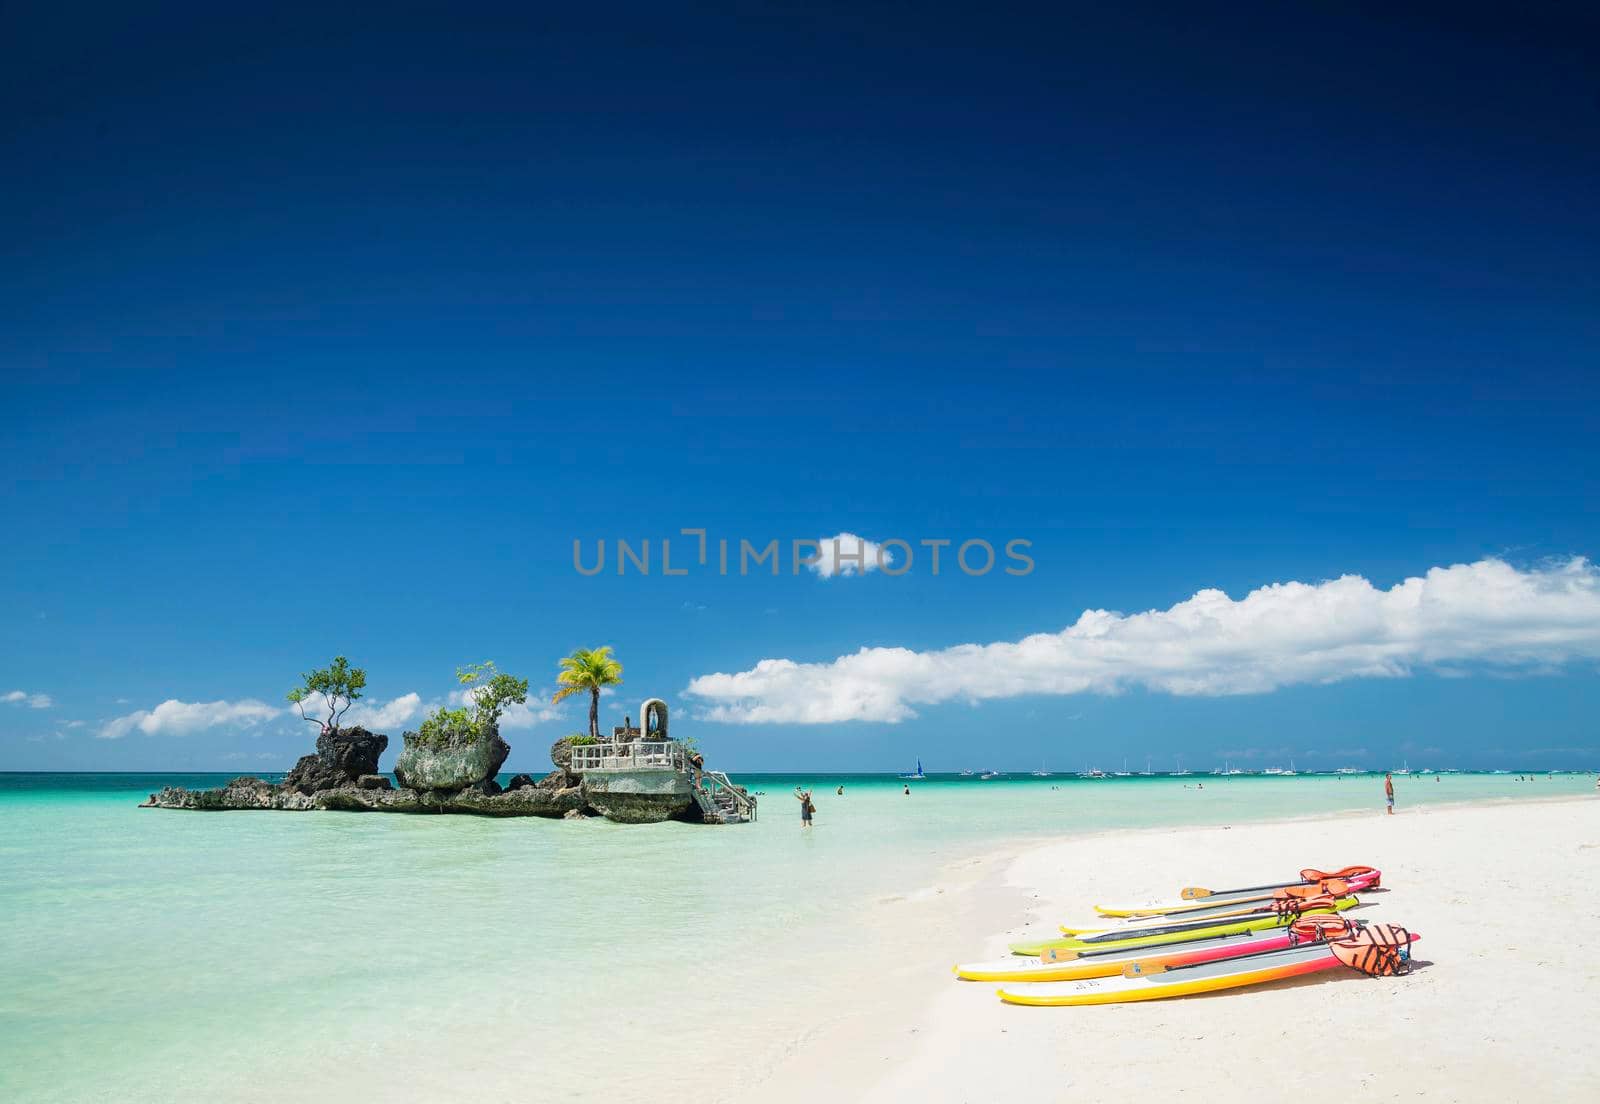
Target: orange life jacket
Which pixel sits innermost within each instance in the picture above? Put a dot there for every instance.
(1315, 929)
(1312, 874)
(1378, 950)
(1297, 905)
(1333, 887)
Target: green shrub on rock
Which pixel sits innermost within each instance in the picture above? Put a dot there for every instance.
(488, 693)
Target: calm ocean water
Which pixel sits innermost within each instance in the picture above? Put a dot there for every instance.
(154, 955)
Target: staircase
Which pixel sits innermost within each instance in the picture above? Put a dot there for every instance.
(721, 802)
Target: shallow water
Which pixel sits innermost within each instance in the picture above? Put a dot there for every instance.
(154, 954)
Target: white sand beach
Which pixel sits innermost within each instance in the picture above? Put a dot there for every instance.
(1500, 1006)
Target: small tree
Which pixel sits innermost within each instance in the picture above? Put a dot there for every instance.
(488, 692)
(340, 686)
(589, 669)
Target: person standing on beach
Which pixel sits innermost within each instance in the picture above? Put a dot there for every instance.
(1388, 790)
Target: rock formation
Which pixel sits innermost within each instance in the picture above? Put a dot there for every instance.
(450, 761)
(456, 777)
(343, 756)
(450, 772)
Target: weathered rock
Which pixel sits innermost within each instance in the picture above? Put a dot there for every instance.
(520, 780)
(472, 800)
(244, 792)
(526, 801)
(453, 761)
(480, 799)
(640, 796)
(342, 757)
(634, 807)
(561, 753)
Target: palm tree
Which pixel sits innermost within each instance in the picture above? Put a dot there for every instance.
(588, 669)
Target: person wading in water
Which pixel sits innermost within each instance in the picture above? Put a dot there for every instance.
(807, 807)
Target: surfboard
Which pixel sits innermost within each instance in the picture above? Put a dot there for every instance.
(1198, 929)
(1073, 965)
(1183, 904)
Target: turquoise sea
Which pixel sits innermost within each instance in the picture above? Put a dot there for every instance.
(158, 955)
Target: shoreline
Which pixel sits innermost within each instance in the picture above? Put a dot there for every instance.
(940, 1039)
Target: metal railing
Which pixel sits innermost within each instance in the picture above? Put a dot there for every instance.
(741, 800)
(633, 755)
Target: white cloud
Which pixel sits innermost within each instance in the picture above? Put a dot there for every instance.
(1486, 613)
(32, 701)
(174, 717)
(370, 715)
(838, 556)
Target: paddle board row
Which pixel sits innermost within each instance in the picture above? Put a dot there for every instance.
(1203, 977)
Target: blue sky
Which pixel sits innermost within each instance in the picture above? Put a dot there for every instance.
(326, 333)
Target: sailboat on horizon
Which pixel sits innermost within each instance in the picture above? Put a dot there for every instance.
(916, 776)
